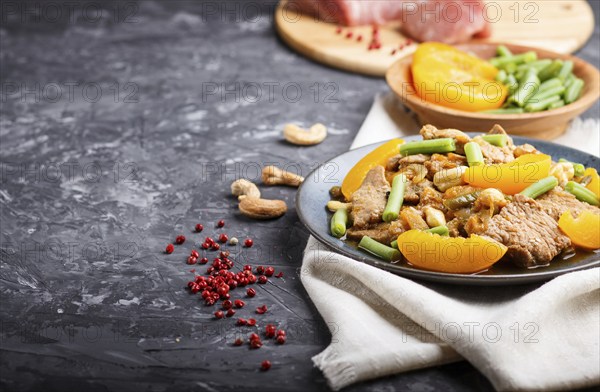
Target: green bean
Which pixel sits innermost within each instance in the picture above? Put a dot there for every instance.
(339, 222)
(542, 104)
(550, 84)
(529, 73)
(378, 249)
(394, 244)
(551, 70)
(582, 193)
(503, 62)
(511, 68)
(538, 65)
(503, 51)
(565, 70)
(540, 187)
(519, 73)
(441, 230)
(395, 199)
(578, 168)
(499, 140)
(473, 153)
(556, 105)
(569, 80)
(461, 201)
(527, 87)
(547, 89)
(504, 111)
(501, 76)
(432, 146)
(543, 95)
(511, 82)
(573, 91)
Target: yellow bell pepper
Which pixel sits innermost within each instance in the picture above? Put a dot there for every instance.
(511, 177)
(584, 231)
(594, 185)
(378, 156)
(449, 77)
(457, 255)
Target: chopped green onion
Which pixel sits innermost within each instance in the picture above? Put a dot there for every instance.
(499, 140)
(428, 147)
(539, 188)
(473, 153)
(395, 199)
(573, 91)
(378, 249)
(339, 222)
(582, 193)
(441, 230)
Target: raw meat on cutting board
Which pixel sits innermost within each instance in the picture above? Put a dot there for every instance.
(449, 21)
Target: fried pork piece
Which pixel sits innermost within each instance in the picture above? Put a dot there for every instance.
(456, 227)
(368, 201)
(431, 132)
(524, 149)
(440, 162)
(494, 154)
(412, 194)
(531, 235)
(557, 201)
(413, 172)
(430, 197)
(398, 161)
(413, 218)
(382, 232)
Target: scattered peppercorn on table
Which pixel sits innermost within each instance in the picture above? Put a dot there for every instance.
(122, 130)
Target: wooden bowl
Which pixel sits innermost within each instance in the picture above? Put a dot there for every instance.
(542, 125)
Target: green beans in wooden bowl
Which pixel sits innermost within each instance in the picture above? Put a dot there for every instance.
(564, 86)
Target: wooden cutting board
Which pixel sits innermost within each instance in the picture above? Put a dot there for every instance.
(558, 25)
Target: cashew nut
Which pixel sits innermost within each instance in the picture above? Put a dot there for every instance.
(334, 205)
(446, 179)
(296, 135)
(243, 188)
(434, 217)
(262, 208)
(272, 175)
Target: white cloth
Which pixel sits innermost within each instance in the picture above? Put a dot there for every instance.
(519, 337)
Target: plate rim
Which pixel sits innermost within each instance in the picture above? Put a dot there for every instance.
(433, 276)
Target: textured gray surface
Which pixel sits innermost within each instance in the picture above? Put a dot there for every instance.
(94, 188)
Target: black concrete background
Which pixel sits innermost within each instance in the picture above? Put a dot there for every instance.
(157, 115)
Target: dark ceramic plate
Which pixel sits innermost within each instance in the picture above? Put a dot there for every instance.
(313, 195)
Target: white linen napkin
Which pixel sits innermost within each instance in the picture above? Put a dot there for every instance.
(521, 338)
